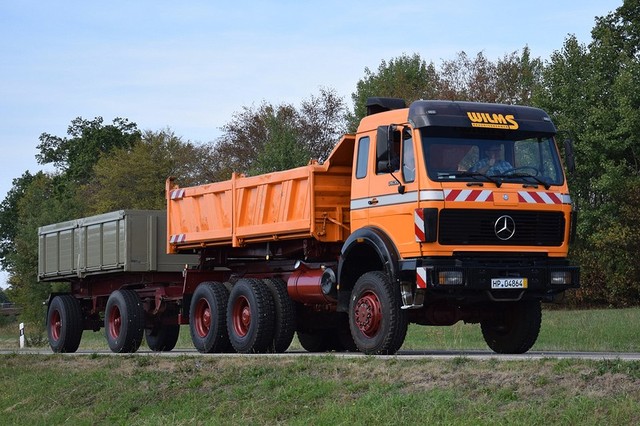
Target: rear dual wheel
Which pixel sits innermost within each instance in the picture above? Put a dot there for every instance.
(251, 317)
(255, 316)
(208, 318)
(284, 315)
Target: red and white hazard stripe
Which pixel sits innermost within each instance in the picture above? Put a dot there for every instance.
(540, 197)
(487, 195)
(178, 238)
(478, 195)
(418, 219)
(421, 277)
(177, 194)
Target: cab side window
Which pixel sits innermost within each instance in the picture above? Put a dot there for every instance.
(363, 156)
(408, 158)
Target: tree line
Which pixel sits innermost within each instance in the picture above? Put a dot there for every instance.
(590, 89)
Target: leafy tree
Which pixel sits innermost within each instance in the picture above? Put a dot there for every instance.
(511, 79)
(39, 205)
(406, 77)
(3, 297)
(593, 90)
(8, 218)
(76, 156)
(41, 199)
(282, 150)
(134, 177)
(256, 138)
(322, 123)
(518, 77)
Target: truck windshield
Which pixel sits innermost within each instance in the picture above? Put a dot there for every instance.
(531, 159)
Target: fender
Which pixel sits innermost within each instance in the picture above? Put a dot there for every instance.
(366, 249)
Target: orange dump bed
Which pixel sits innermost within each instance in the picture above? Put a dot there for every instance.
(307, 202)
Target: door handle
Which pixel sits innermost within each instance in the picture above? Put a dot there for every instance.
(373, 201)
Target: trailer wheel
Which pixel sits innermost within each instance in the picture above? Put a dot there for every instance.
(250, 317)
(64, 324)
(285, 315)
(124, 321)
(162, 337)
(515, 329)
(378, 325)
(207, 318)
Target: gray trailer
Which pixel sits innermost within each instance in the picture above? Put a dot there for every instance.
(120, 241)
(121, 278)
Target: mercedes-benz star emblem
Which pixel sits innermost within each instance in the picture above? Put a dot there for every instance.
(505, 227)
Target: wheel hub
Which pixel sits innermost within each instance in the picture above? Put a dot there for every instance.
(368, 314)
(203, 318)
(241, 316)
(56, 325)
(115, 321)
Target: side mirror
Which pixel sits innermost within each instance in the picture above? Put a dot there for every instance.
(387, 160)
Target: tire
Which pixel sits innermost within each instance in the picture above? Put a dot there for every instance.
(344, 339)
(285, 315)
(250, 317)
(515, 329)
(124, 321)
(208, 318)
(64, 324)
(316, 341)
(163, 337)
(378, 325)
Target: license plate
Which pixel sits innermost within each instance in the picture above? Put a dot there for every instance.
(506, 283)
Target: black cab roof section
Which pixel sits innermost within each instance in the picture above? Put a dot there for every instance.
(479, 115)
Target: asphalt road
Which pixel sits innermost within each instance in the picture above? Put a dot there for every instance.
(408, 355)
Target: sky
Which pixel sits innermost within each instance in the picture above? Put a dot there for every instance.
(190, 65)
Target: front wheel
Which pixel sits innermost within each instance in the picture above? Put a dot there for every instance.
(515, 328)
(64, 324)
(124, 321)
(378, 325)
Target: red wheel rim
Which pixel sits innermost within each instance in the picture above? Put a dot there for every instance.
(368, 314)
(241, 316)
(202, 318)
(55, 325)
(115, 321)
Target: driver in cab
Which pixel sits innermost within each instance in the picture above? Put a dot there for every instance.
(492, 162)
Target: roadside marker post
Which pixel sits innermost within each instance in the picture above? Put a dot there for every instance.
(21, 335)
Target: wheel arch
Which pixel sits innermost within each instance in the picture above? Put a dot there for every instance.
(366, 249)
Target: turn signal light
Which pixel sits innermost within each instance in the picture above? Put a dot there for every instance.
(450, 278)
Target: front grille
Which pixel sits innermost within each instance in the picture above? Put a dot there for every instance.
(477, 227)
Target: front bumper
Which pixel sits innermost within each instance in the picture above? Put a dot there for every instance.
(470, 277)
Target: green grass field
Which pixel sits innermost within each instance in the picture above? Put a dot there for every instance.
(130, 389)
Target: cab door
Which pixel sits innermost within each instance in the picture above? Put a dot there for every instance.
(393, 186)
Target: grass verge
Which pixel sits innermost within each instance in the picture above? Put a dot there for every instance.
(314, 390)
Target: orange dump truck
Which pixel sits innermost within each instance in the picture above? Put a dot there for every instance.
(432, 214)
